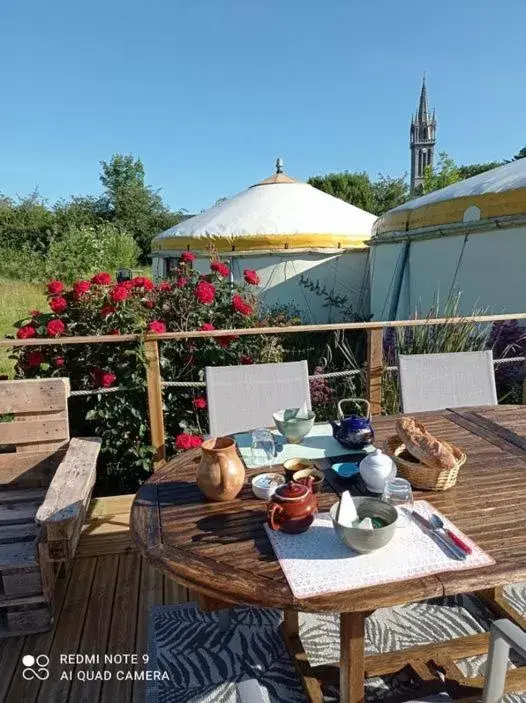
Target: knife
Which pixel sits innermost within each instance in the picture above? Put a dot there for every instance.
(449, 546)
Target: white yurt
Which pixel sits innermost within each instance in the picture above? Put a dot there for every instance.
(288, 232)
(469, 237)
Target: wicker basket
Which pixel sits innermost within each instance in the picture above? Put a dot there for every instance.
(419, 475)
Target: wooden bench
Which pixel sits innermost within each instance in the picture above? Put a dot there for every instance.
(46, 482)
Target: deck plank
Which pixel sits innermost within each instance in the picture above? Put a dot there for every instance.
(68, 634)
(123, 626)
(150, 594)
(96, 627)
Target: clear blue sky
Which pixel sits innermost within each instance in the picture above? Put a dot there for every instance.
(209, 92)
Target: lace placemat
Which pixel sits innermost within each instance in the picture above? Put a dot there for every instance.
(318, 444)
(317, 562)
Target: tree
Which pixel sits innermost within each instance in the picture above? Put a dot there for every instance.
(444, 175)
(354, 188)
(389, 193)
(26, 223)
(134, 206)
(521, 154)
(475, 169)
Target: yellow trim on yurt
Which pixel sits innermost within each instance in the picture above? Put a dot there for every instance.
(276, 242)
(444, 212)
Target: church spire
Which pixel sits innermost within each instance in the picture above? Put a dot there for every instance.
(423, 112)
(422, 139)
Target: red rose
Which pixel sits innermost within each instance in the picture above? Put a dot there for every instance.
(200, 403)
(104, 379)
(165, 286)
(187, 441)
(241, 305)
(80, 288)
(55, 328)
(107, 310)
(55, 287)
(225, 341)
(220, 268)
(148, 304)
(157, 327)
(251, 277)
(35, 313)
(59, 361)
(114, 332)
(142, 282)
(207, 327)
(246, 360)
(205, 292)
(181, 282)
(26, 332)
(34, 358)
(58, 304)
(187, 257)
(102, 279)
(119, 293)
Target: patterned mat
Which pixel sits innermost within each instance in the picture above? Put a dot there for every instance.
(205, 656)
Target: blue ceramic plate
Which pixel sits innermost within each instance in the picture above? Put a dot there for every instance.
(346, 469)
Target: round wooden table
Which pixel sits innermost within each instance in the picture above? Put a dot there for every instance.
(221, 550)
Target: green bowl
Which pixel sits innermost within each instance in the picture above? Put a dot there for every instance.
(292, 428)
(365, 541)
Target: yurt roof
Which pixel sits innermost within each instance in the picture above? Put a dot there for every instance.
(277, 213)
(497, 193)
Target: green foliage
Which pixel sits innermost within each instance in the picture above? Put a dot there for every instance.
(83, 251)
(521, 154)
(475, 169)
(358, 189)
(445, 174)
(26, 223)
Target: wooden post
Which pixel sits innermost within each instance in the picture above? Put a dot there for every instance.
(374, 369)
(352, 669)
(155, 402)
(524, 384)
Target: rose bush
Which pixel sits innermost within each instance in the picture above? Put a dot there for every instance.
(187, 301)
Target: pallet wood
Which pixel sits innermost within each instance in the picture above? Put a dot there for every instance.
(374, 369)
(34, 395)
(63, 510)
(155, 402)
(29, 469)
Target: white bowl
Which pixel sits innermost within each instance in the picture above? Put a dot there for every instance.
(261, 485)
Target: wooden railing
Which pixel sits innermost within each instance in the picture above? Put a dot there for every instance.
(374, 332)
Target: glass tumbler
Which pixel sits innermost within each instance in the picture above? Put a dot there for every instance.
(263, 447)
(398, 493)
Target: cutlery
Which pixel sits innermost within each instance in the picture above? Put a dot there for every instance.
(456, 539)
(450, 547)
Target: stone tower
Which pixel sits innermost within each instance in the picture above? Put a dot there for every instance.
(422, 139)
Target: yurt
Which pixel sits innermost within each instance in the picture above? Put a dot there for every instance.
(306, 246)
(469, 237)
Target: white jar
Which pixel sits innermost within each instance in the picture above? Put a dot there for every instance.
(375, 469)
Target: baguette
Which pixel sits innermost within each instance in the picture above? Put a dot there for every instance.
(423, 446)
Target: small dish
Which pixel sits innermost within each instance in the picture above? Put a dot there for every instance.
(365, 541)
(264, 485)
(346, 469)
(291, 466)
(303, 476)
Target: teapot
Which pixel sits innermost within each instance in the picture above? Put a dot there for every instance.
(353, 432)
(292, 507)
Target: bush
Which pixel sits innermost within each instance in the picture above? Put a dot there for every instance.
(21, 265)
(82, 251)
(189, 301)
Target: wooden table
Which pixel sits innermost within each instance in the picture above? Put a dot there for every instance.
(221, 549)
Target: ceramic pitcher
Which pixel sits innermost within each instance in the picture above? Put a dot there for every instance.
(221, 473)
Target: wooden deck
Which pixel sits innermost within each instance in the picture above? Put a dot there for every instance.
(102, 607)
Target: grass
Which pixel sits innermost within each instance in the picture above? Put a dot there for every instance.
(16, 300)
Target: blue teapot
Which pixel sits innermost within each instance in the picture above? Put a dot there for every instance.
(353, 432)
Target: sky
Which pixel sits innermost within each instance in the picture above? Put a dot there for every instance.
(209, 92)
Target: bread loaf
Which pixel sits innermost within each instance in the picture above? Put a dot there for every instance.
(423, 446)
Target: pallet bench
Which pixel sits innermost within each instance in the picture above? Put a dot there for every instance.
(46, 482)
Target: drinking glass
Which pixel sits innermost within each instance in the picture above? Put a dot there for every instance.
(398, 493)
(263, 447)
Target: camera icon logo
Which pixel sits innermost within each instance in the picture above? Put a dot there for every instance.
(35, 667)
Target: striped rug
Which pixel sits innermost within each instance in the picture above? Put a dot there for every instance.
(205, 656)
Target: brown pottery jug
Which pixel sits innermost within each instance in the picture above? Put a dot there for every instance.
(221, 473)
(292, 507)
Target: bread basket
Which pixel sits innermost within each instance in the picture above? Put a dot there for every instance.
(419, 475)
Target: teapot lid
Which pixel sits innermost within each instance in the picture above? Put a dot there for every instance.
(292, 491)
